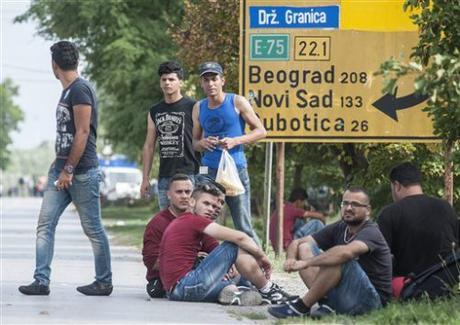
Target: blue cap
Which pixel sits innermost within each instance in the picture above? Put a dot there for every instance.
(211, 67)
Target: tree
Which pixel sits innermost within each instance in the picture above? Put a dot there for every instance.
(209, 30)
(11, 116)
(436, 63)
(122, 43)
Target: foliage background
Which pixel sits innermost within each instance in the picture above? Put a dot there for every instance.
(124, 41)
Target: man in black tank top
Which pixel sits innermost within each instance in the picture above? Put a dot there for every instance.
(169, 122)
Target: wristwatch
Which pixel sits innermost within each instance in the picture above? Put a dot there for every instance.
(68, 168)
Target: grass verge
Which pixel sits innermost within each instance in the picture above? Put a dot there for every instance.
(127, 224)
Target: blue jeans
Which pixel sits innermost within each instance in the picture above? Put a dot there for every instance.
(354, 294)
(206, 281)
(84, 193)
(240, 206)
(163, 186)
(304, 228)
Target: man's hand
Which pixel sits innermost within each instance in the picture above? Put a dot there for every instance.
(145, 188)
(288, 264)
(228, 143)
(232, 273)
(209, 143)
(299, 265)
(64, 181)
(265, 264)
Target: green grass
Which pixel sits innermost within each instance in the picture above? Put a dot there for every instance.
(446, 311)
(127, 224)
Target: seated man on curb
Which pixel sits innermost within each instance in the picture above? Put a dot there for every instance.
(353, 274)
(297, 222)
(419, 229)
(183, 239)
(179, 193)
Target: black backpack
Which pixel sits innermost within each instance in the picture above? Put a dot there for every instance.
(440, 280)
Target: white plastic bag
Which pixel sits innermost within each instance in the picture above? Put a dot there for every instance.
(227, 175)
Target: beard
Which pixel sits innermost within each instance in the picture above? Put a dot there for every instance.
(354, 222)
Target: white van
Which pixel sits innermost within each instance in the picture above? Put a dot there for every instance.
(121, 183)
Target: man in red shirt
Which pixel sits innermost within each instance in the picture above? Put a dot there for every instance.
(185, 237)
(179, 193)
(298, 222)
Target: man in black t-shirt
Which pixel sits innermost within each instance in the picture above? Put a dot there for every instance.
(73, 177)
(418, 229)
(169, 121)
(353, 273)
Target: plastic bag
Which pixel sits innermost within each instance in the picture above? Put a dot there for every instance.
(227, 175)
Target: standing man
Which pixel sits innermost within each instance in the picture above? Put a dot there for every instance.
(73, 177)
(169, 121)
(354, 270)
(218, 123)
(419, 229)
(179, 193)
(298, 222)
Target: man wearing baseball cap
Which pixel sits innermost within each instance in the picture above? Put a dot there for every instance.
(219, 123)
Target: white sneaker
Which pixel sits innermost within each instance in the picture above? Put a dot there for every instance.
(241, 298)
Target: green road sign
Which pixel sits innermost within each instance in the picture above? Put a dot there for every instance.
(270, 47)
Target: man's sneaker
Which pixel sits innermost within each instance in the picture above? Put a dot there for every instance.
(96, 289)
(241, 298)
(35, 289)
(286, 310)
(276, 295)
(322, 311)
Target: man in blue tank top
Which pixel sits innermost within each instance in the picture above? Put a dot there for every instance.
(218, 123)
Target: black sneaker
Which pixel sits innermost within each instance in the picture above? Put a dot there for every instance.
(276, 295)
(322, 311)
(35, 289)
(96, 289)
(286, 310)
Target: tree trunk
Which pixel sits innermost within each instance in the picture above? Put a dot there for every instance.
(448, 171)
(298, 176)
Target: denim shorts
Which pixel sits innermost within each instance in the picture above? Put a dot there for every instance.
(355, 294)
(207, 281)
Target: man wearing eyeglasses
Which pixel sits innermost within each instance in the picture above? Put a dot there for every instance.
(352, 274)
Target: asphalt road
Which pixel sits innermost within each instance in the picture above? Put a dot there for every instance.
(73, 266)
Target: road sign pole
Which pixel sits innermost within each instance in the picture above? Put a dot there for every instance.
(280, 195)
(268, 191)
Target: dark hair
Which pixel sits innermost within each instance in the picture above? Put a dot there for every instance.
(208, 188)
(406, 174)
(359, 189)
(298, 193)
(171, 67)
(179, 177)
(65, 55)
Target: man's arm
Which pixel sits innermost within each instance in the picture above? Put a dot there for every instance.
(293, 249)
(336, 255)
(82, 119)
(384, 223)
(243, 241)
(257, 130)
(147, 155)
(315, 215)
(200, 143)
